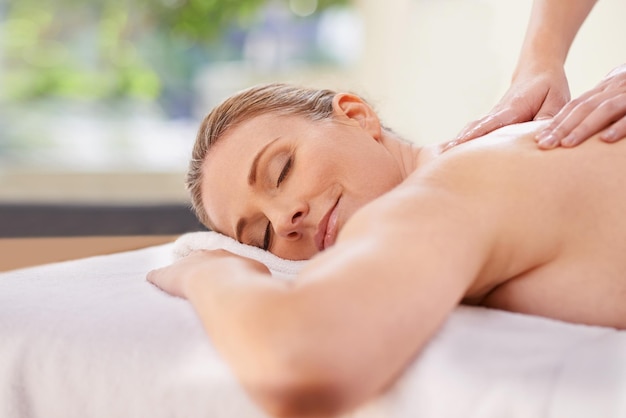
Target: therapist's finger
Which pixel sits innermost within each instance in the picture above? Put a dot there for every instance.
(550, 108)
(615, 132)
(590, 113)
(487, 124)
(590, 117)
(551, 135)
(607, 108)
(467, 132)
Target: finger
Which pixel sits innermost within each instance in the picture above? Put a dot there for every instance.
(610, 109)
(481, 127)
(151, 276)
(469, 132)
(574, 125)
(489, 124)
(546, 135)
(548, 111)
(464, 135)
(546, 142)
(552, 105)
(615, 132)
(559, 117)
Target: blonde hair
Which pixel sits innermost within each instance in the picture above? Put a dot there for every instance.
(277, 98)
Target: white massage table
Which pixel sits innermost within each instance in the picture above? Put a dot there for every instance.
(91, 338)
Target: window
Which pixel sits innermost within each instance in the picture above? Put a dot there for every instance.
(100, 101)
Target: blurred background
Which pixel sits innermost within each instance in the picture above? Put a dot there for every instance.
(100, 99)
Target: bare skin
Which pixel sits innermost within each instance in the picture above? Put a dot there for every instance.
(562, 236)
(407, 234)
(539, 88)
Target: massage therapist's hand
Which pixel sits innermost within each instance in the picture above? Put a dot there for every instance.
(176, 278)
(533, 95)
(602, 109)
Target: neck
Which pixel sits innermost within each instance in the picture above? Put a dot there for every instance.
(410, 156)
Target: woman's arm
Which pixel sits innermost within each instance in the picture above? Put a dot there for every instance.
(354, 318)
(539, 87)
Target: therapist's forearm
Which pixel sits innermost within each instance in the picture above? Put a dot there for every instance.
(551, 31)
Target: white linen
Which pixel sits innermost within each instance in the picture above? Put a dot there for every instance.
(210, 240)
(92, 338)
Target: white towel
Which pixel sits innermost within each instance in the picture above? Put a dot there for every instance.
(209, 240)
(489, 361)
(92, 338)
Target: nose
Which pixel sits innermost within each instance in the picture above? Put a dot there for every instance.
(288, 221)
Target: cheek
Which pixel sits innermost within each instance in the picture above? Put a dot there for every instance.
(375, 175)
(316, 172)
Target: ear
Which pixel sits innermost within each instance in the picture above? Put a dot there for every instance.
(356, 109)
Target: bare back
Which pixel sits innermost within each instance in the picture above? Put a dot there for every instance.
(561, 222)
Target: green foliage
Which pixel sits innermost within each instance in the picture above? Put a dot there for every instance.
(203, 20)
(96, 49)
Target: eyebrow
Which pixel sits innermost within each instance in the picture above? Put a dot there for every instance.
(253, 167)
(241, 223)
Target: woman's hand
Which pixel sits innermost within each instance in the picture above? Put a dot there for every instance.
(176, 278)
(532, 96)
(602, 109)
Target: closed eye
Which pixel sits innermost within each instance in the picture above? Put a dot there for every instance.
(267, 237)
(284, 172)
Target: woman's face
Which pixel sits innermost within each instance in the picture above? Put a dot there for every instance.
(288, 184)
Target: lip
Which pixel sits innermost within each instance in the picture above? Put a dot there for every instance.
(327, 228)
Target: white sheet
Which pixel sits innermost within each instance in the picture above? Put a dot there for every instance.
(91, 338)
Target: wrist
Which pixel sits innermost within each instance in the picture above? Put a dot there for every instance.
(538, 59)
(190, 283)
(533, 66)
(217, 267)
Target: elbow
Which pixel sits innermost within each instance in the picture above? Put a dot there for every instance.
(306, 380)
(290, 374)
(297, 379)
(303, 398)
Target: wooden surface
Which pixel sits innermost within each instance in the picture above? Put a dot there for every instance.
(25, 252)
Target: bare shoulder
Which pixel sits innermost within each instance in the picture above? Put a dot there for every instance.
(497, 206)
(450, 183)
(424, 228)
(481, 207)
(540, 205)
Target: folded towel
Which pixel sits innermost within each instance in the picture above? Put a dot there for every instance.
(210, 240)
